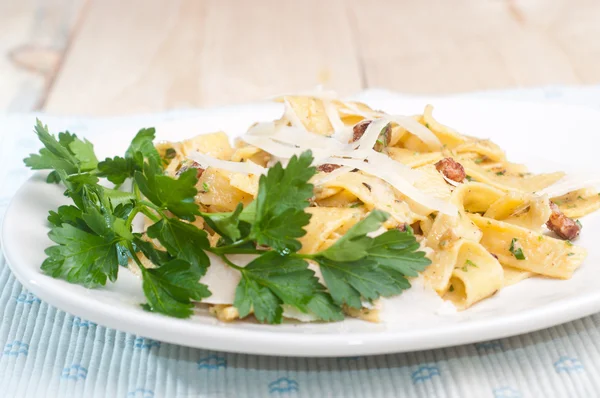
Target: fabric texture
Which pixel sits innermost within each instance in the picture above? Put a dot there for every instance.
(46, 352)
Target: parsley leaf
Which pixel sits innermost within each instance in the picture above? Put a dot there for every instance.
(516, 249)
(183, 241)
(175, 195)
(271, 280)
(84, 153)
(282, 197)
(67, 214)
(81, 257)
(398, 251)
(323, 306)
(68, 154)
(170, 288)
(355, 243)
(118, 169)
(468, 263)
(143, 143)
(153, 254)
(227, 224)
(358, 266)
(349, 281)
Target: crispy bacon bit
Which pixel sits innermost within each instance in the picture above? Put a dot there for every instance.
(383, 140)
(328, 167)
(566, 228)
(194, 165)
(451, 169)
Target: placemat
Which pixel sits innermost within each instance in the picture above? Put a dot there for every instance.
(49, 353)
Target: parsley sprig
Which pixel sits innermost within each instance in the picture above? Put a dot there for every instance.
(93, 236)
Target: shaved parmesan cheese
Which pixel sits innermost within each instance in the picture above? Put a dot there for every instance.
(371, 135)
(419, 304)
(450, 181)
(237, 167)
(416, 128)
(355, 111)
(283, 142)
(400, 183)
(571, 183)
(307, 140)
(333, 115)
(290, 114)
(221, 279)
(376, 233)
(333, 175)
(294, 313)
(385, 162)
(406, 122)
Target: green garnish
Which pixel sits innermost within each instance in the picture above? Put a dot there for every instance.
(93, 235)
(170, 153)
(579, 224)
(451, 289)
(469, 178)
(568, 243)
(570, 254)
(516, 250)
(355, 205)
(205, 187)
(479, 160)
(501, 173)
(468, 263)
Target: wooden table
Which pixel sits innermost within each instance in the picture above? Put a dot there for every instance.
(124, 56)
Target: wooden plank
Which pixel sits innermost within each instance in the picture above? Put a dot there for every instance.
(159, 55)
(33, 37)
(442, 47)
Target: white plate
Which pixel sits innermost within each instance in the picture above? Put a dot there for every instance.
(562, 135)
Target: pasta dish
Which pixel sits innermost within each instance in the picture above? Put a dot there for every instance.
(388, 200)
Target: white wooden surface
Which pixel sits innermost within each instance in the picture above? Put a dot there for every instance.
(116, 57)
(33, 37)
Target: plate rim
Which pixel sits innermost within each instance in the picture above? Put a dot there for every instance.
(263, 342)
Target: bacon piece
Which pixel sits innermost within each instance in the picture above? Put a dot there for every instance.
(384, 138)
(194, 165)
(451, 169)
(328, 167)
(566, 228)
